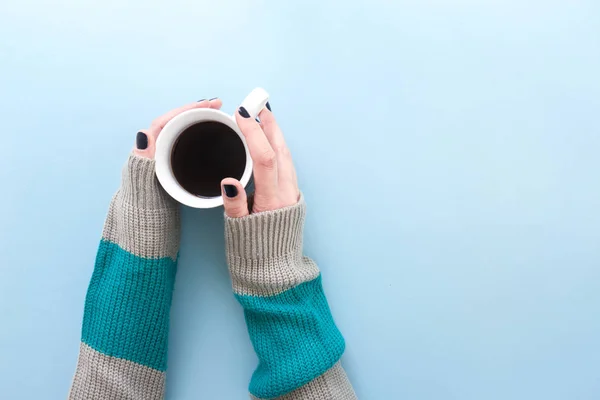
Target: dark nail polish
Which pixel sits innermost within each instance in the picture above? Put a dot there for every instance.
(214, 98)
(268, 106)
(230, 190)
(257, 120)
(201, 100)
(141, 141)
(243, 112)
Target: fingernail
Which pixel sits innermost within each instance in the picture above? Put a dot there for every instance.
(201, 100)
(243, 112)
(230, 190)
(257, 120)
(214, 98)
(141, 141)
(268, 106)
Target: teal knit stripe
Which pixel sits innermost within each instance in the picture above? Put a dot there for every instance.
(294, 336)
(127, 306)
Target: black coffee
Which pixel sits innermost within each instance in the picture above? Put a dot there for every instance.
(205, 154)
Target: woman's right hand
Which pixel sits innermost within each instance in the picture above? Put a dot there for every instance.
(289, 321)
(275, 181)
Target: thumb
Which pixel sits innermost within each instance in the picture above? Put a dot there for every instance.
(145, 144)
(234, 198)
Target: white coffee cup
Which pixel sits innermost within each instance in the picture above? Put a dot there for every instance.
(253, 103)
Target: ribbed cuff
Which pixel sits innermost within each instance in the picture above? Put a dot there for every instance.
(140, 187)
(266, 235)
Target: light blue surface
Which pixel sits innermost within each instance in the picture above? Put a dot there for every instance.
(448, 151)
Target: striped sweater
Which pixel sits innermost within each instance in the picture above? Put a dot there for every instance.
(123, 350)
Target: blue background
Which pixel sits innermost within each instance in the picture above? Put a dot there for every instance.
(448, 151)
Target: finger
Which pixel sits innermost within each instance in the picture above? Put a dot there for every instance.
(265, 162)
(270, 127)
(216, 103)
(286, 174)
(234, 198)
(145, 144)
(161, 121)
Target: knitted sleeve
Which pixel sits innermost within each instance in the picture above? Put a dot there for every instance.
(123, 350)
(289, 322)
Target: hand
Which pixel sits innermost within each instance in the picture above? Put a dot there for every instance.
(275, 181)
(145, 143)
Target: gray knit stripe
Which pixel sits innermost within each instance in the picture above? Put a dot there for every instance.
(264, 251)
(142, 218)
(332, 385)
(267, 235)
(140, 187)
(145, 233)
(101, 377)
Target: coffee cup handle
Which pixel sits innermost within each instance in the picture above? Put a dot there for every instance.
(255, 101)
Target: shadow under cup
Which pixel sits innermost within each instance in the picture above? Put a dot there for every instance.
(204, 154)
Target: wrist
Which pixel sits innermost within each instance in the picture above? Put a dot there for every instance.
(264, 251)
(268, 234)
(142, 218)
(140, 187)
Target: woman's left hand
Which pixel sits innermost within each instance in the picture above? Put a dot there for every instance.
(145, 141)
(275, 181)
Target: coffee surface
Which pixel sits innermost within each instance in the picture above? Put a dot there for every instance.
(205, 154)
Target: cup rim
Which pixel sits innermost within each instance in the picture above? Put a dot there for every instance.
(167, 138)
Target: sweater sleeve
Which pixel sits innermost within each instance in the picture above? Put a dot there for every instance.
(288, 318)
(123, 350)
